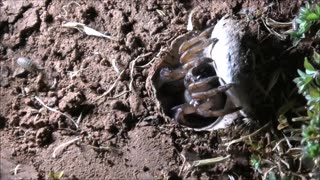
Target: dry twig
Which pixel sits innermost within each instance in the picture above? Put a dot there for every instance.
(245, 137)
(111, 88)
(210, 161)
(54, 110)
(87, 30)
(63, 145)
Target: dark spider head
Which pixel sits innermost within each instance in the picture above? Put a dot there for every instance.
(203, 70)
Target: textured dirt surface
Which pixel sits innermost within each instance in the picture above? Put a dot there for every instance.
(120, 135)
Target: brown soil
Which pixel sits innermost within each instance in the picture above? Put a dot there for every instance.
(120, 137)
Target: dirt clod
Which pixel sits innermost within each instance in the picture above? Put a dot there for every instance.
(43, 136)
(14, 120)
(71, 101)
(119, 105)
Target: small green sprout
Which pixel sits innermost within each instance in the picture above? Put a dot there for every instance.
(255, 162)
(308, 84)
(55, 175)
(308, 16)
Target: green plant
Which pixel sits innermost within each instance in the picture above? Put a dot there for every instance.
(308, 15)
(308, 84)
(55, 175)
(255, 162)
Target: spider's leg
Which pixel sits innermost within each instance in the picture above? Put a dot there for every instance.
(211, 93)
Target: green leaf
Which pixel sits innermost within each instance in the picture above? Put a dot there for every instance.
(313, 150)
(317, 9)
(296, 80)
(301, 88)
(307, 5)
(301, 73)
(310, 73)
(61, 174)
(296, 42)
(316, 57)
(307, 65)
(300, 83)
(314, 93)
(303, 26)
(308, 79)
(272, 176)
(302, 12)
(299, 21)
(312, 17)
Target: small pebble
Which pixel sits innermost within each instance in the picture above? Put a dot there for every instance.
(28, 101)
(4, 82)
(28, 65)
(19, 72)
(52, 101)
(14, 120)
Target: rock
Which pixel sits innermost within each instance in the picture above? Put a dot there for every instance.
(28, 101)
(136, 105)
(133, 41)
(4, 71)
(20, 72)
(4, 82)
(52, 101)
(4, 74)
(29, 21)
(40, 123)
(51, 94)
(43, 136)
(71, 100)
(14, 8)
(54, 118)
(119, 105)
(14, 120)
(25, 25)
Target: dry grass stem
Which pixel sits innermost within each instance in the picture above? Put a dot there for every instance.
(54, 84)
(73, 74)
(54, 110)
(210, 161)
(302, 118)
(272, 31)
(245, 137)
(190, 25)
(266, 173)
(281, 140)
(296, 150)
(79, 118)
(132, 64)
(63, 145)
(87, 30)
(120, 94)
(152, 60)
(184, 160)
(299, 176)
(285, 163)
(160, 12)
(111, 88)
(113, 63)
(16, 169)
